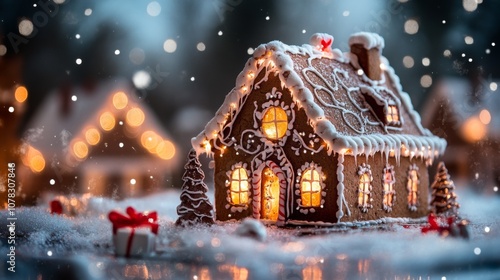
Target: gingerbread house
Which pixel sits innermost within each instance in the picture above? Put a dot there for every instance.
(311, 135)
(101, 140)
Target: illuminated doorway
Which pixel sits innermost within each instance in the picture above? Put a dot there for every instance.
(270, 195)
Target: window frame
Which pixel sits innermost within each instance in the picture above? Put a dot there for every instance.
(239, 191)
(309, 191)
(365, 187)
(274, 122)
(412, 186)
(388, 188)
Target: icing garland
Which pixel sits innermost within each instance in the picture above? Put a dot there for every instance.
(275, 57)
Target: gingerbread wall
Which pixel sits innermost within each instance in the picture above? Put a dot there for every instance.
(377, 164)
(290, 154)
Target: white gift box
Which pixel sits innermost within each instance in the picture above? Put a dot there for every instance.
(134, 242)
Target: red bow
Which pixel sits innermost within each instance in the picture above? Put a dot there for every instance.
(325, 44)
(134, 219)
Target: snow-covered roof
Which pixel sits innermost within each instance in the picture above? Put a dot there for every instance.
(456, 93)
(51, 130)
(328, 87)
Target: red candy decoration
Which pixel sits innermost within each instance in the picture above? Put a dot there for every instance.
(56, 207)
(325, 44)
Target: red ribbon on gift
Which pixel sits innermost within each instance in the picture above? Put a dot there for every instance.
(133, 220)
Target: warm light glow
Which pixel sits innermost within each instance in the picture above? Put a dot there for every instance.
(275, 123)
(21, 94)
(107, 121)
(239, 186)
(150, 140)
(310, 186)
(364, 190)
(37, 163)
(485, 116)
(80, 149)
(135, 117)
(312, 272)
(120, 100)
(392, 115)
(412, 186)
(270, 188)
(388, 184)
(207, 146)
(34, 160)
(92, 136)
(165, 150)
(473, 129)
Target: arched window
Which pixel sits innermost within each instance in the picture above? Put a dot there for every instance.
(365, 187)
(412, 187)
(274, 123)
(310, 188)
(239, 186)
(388, 182)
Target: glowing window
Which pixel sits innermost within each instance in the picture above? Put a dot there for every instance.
(310, 188)
(365, 187)
(388, 182)
(275, 123)
(239, 187)
(412, 187)
(392, 115)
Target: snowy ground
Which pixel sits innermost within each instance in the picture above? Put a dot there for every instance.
(58, 247)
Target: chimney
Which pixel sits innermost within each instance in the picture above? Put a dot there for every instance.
(368, 48)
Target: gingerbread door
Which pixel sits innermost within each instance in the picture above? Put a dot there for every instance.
(270, 189)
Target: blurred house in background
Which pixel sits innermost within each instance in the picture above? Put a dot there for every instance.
(101, 141)
(466, 112)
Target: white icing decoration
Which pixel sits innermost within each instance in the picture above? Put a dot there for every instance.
(340, 189)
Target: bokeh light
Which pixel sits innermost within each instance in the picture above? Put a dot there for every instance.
(411, 26)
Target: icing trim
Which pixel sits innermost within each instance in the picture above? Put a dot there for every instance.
(275, 57)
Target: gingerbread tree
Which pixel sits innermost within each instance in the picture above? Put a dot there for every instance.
(195, 207)
(443, 193)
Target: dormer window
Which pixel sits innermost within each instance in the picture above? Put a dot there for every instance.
(274, 123)
(392, 115)
(383, 104)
